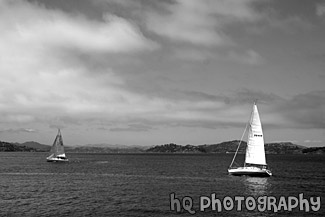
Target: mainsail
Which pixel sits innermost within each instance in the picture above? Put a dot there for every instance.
(255, 153)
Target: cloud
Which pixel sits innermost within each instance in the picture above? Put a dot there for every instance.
(200, 22)
(250, 57)
(19, 130)
(302, 111)
(274, 19)
(42, 74)
(196, 55)
(132, 128)
(42, 28)
(305, 111)
(320, 9)
(312, 141)
(290, 24)
(57, 69)
(249, 96)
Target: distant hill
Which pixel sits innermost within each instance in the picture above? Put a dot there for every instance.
(283, 148)
(103, 148)
(107, 145)
(173, 148)
(314, 150)
(35, 145)
(228, 147)
(223, 147)
(6, 147)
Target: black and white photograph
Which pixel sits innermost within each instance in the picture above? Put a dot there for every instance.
(162, 108)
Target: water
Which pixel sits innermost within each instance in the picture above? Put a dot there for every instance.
(141, 184)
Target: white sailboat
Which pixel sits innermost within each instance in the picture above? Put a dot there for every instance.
(255, 162)
(57, 153)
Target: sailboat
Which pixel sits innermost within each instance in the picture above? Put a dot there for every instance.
(255, 162)
(57, 153)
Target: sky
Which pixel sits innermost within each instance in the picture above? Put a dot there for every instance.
(150, 72)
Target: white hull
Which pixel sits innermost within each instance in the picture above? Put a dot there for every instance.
(55, 159)
(249, 171)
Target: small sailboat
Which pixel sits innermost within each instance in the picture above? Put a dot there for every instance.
(57, 153)
(255, 162)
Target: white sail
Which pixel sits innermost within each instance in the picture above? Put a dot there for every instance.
(255, 153)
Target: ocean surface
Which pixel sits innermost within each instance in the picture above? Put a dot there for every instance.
(142, 184)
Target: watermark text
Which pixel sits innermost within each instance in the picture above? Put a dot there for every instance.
(240, 203)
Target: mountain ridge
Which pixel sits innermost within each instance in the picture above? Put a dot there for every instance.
(231, 147)
(223, 147)
(14, 147)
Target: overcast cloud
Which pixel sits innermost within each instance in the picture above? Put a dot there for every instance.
(135, 72)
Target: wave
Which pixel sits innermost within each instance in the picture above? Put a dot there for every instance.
(111, 175)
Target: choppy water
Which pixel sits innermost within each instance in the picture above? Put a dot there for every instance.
(141, 184)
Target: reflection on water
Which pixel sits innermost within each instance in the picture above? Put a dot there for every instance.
(257, 186)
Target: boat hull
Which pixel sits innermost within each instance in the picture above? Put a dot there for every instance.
(54, 159)
(250, 171)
